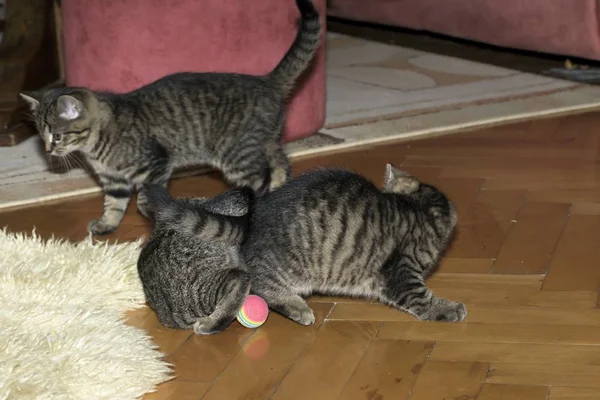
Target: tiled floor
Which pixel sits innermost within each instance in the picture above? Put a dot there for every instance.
(525, 261)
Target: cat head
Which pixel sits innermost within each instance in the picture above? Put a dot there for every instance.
(437, 205)
(63, 118)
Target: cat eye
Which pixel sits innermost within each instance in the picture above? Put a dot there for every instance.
(56, 137)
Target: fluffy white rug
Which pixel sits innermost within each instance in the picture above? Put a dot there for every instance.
(62, 334)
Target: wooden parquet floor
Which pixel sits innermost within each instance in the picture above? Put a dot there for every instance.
(525, 261)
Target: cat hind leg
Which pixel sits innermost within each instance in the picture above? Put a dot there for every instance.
(279, 165)
(407, 291)
(159, 175)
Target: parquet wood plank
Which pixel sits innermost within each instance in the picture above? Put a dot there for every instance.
(478, 166)
(574, 393)
(532, 178)
(575, 262)
(521, 150)
(525, 353)
(388, 370)
(585, 208)
(143, 318)
(266, 357)
(483, 228)
(476, 314)
(507, 290)
(440, 380)
(547, 374)
(512, 392)
(368, 312)
(465, 265)
(530, 364)
(565, 195)
(424, 174)
(168, 340)
(462, 192)
(178, 389)
(529, 246)
(514, 297)
(489, 333)
(325, 367)
(215, 351)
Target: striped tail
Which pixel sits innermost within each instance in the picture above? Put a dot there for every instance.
(302, 51)
(224, 217)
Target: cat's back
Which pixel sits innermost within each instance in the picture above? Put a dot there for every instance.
(320, 197)
(326, 229)
(208, 83)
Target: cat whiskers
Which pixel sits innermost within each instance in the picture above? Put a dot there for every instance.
(65, 160)
(54, 163)
(78, 162)
(30, 117)
(60, 163)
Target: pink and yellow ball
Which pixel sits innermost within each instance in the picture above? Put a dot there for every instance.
(254, 312)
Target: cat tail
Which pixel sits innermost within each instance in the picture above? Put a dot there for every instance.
(202, 220)
(302, 51)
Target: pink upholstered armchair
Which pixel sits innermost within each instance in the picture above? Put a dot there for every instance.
(121, 45)
(568, 27)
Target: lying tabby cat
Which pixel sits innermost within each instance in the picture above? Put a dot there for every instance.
(333, 232)
(195, 282)
(232, 122)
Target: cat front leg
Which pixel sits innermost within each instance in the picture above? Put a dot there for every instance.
(291, 306)
(116, 200)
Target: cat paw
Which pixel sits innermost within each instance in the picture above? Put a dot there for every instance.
(293, 307)
(98, 227)
(446, 311)
(303, 317)
(205, 326)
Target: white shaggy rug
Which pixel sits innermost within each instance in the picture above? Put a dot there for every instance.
(62, 330)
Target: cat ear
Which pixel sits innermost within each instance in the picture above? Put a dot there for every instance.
(398, 181)
(68, 107)
(392, 173)
(32, 100)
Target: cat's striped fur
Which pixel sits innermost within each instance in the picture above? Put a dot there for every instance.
(197, 281)
(333, 232)
(232, 122)
(205, 219)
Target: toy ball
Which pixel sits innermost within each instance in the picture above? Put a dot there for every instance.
(254, 312)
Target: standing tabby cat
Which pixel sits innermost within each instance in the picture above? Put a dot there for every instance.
(197, 281)
(333, 232)
(232, 122)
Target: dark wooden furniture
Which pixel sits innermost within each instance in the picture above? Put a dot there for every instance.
(28, 60)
